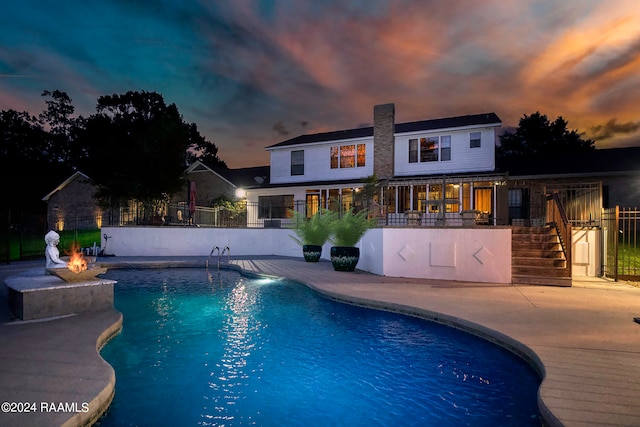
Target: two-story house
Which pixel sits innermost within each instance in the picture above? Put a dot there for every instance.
(431, 169)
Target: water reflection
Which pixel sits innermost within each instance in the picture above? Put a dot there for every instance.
(238, 334)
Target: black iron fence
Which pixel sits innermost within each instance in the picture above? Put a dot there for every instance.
(22, 236)
(231, 215)
(620, 233)
(18, 236)
(274, 215)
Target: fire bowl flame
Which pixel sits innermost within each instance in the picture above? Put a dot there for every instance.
(71, 276)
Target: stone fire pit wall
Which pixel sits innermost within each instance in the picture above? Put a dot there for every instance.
(34, 295)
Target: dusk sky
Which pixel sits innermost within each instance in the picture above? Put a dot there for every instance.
(253, 73)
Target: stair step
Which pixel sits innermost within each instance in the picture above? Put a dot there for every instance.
(528, 261)
(534, 238)
(537, 280)
(537, 257)
(537, 253)
(532, 230)
(539, 271)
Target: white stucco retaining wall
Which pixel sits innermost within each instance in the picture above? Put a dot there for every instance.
(196, 241)
(464, 254)
(586, 253)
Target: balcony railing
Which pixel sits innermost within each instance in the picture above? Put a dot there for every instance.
(255, 215)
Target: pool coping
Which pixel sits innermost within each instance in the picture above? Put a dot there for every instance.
(561, 400)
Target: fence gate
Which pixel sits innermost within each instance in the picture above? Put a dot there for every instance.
(620, 239)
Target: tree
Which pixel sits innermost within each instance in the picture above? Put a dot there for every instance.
(21, 140)
(23, 151)
(203, 150)
(367, 199)
(137, 148)
(61, 145)
(536, 138)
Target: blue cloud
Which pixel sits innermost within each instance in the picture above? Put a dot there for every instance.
(240, 69)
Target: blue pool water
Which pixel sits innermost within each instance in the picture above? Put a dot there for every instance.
(225, 350)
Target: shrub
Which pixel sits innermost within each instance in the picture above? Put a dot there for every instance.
(315, 230)
(349, 229)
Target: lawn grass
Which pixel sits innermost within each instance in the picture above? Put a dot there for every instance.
(32, 247)
(628, 259)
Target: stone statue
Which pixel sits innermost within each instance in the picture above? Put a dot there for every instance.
(52, 253)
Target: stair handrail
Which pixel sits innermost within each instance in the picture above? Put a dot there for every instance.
(557, 217)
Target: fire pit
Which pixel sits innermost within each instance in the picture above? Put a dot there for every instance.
(81, 276)
(79, 269)
(40, 294)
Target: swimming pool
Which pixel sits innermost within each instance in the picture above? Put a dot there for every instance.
(227, 350)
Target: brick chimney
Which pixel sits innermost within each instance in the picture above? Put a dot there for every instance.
(384, 124)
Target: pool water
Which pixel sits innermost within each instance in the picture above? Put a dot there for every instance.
(221, 349)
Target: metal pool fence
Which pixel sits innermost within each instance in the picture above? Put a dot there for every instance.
(621, 253)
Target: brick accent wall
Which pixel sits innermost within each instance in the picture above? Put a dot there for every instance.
(383, 140)
(73, 207)
(209, 187)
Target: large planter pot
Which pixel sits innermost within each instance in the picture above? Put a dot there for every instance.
(344, 258)
(311, 253)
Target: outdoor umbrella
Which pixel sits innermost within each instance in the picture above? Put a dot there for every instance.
(192, 199)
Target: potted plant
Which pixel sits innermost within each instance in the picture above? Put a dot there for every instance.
(311, 233)
(346, 233)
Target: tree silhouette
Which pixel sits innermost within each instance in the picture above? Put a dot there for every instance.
(25, 150)
(62, 130)
(136, 148)
(537, 139)
(203, 150)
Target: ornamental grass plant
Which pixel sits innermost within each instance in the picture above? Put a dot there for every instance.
(315, 230)
(349, 229)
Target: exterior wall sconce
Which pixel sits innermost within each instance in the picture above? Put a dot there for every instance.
(241, 193)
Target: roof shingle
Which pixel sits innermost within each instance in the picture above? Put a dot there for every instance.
(488, 119)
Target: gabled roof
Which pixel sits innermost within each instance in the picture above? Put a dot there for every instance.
(64, 184)
(254, 176)
(485, 119)
(198, 166)
(251, 177)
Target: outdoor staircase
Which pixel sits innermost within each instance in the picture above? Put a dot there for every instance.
(537, 257)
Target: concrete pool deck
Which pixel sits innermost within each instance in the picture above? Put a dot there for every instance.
(583, 338)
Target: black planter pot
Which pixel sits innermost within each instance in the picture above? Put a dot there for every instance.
(344, 258)
(311, 253)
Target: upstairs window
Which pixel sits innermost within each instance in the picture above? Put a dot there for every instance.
(445, 148)
(297, 162)
(429, 149)
(334, 157)
(413, 151)
(362, 155)
(475, 140)
(348, 156)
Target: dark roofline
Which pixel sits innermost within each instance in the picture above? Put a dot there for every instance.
(327, 136)
(423, 125)
(598, 162)
(450, 122)
(246, 177)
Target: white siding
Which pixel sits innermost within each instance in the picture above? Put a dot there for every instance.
(463, 158)
(317, 163)
(298, 193)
